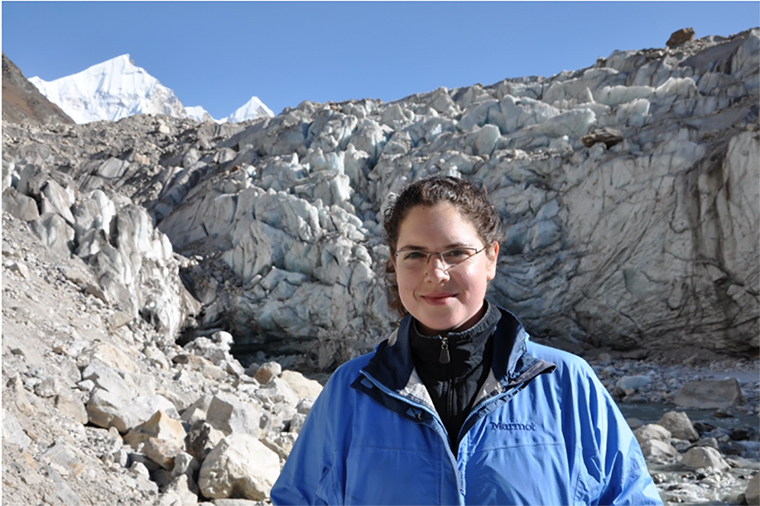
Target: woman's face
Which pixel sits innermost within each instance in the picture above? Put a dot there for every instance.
(443, 298)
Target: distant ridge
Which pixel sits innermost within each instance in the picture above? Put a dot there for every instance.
(22, 101)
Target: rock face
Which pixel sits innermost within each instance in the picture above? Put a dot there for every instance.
(23, 102)
(628, 189)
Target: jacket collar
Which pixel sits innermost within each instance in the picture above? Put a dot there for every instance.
(393, 365)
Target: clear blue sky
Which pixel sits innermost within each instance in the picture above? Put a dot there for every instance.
(219, 54)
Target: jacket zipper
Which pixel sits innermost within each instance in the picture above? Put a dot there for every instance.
(443, 433)
(513, 390)
(444, 356)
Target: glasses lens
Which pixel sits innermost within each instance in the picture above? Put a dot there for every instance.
(413, 259)
(456, 256)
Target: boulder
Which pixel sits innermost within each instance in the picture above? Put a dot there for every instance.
(752, 494)
(656, 449)
(679, 425)
(651, 432)
(266, 372)
(704, 457)
(159, 426)
(680, 37)
(202, 439)
(19, 205)
(13, 432)
(608, 136)
(301, 385)
(633, 382)
(111, 409)
(68, 403)
(239, 464)
(230, 414)
(161, 452)
(709, 394)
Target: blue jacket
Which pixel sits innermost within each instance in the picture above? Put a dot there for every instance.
(543, 432)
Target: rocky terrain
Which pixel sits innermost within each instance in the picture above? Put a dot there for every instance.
(168, 283)
(101, 409)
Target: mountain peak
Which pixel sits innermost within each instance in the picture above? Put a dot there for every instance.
(252, 109)
(117, 88)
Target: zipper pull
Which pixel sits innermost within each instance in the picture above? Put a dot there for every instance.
(444, 357)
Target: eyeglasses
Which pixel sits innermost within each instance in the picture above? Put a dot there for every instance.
(417, 258)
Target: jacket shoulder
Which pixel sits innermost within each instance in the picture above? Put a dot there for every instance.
(564, 360)
(347, 372)
(571, 370)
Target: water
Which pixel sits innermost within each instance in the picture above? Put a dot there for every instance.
(651, 413)
(681, 486)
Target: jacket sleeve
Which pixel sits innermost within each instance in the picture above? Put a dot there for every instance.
(304, 479)
(625, 477)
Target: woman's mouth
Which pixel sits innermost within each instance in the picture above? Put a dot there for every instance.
(438, 299)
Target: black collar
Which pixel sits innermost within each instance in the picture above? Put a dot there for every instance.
(465, 349)
(393, 364)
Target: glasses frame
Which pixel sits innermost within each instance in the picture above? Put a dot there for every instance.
(430, 254)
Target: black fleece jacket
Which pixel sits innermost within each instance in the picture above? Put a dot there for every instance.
(454, 385)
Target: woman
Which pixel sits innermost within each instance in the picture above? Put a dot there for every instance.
(457, 406)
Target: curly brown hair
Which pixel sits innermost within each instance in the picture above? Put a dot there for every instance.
(471, 202)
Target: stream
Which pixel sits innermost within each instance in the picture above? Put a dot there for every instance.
(678, 485)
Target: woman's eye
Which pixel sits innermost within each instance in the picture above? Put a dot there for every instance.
(414, 255)
(455, 253)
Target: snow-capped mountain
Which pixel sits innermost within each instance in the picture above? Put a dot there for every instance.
(254, 108)
(198, 113)
(117, 88)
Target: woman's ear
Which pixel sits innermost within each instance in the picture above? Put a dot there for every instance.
(492, 254)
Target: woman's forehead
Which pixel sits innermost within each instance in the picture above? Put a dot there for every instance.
(442, 223)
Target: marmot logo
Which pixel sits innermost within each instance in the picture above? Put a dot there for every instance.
(512, 426)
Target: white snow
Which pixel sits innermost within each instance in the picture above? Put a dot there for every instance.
(117, 88)
(198, 113)
(252, 109)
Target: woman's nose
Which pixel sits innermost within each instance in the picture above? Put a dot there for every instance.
(436, 267)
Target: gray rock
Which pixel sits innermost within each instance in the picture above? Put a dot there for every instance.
(161, 427)
(181, 490)
(69, 404)
(13, 433)
(704, 457)
(202, 439)
(231, 415)
(19, 205)
(239, 464)
(679, 425)
(652, 432)
(708, 394)
(633, 382)
(656, 449)
(266, 372)
(752, 494)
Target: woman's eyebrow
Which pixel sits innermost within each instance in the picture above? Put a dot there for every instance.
(449, 246)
